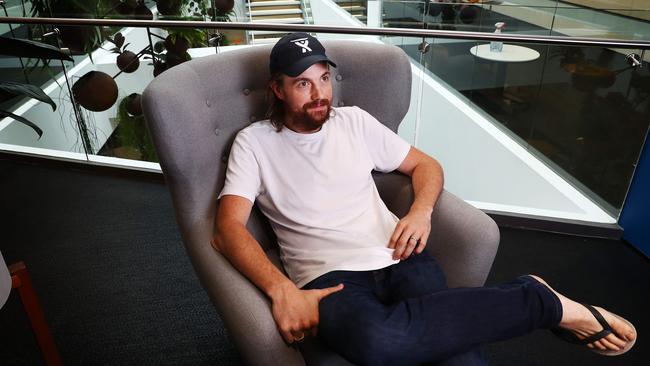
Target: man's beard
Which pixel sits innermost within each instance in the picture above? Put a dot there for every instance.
(311, 121)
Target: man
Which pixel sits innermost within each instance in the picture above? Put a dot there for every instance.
(358, 276)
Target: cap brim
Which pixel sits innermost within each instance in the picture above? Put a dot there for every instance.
(304, 63)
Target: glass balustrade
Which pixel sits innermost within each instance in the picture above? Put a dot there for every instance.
(565, 104)
(580, 112)
(584, 18)
(540, 129)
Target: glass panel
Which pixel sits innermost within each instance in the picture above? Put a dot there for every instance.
(38, 95)
(581, 111)
(403, 14)
(606, 18)
(356, 8)
(120, 129)
(468, 16)
(536, 129)
(595, 117)
(526, 17)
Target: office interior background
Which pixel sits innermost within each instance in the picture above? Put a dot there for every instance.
(546, 136)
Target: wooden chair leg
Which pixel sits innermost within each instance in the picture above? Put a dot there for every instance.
(20, 280)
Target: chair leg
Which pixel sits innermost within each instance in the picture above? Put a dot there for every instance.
(21, 280)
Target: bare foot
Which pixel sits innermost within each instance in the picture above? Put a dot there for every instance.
(579, 320)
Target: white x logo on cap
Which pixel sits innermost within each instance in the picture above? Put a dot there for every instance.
(302, 43)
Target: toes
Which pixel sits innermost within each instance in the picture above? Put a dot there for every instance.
(609, 345)
(622, 329)
(616, 340)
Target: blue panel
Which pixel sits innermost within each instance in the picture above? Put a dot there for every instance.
(635, 218)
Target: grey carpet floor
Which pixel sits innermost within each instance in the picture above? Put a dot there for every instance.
(110, 269)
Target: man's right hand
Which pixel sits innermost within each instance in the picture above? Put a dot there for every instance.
(296, 311)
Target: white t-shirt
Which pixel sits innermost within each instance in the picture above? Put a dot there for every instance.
(318, 192)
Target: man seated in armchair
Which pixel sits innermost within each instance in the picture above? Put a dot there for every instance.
(358, 277)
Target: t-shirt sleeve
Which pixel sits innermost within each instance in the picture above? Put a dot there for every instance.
(387, 149)
(243, 173)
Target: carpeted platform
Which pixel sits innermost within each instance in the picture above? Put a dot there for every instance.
(109, 267)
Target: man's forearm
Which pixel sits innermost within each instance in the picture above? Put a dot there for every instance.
(246, 255)
(427, 180)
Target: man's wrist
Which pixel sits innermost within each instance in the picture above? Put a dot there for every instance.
(425, 210)
(278, 289)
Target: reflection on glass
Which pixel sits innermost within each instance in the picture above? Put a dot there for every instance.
(475, 16)
(584, 110)
(356, 8)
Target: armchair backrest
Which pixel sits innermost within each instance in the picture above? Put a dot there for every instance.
(194, 111)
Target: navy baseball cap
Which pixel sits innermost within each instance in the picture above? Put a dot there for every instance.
(295, 53)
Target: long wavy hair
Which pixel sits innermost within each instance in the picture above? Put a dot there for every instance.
(275, 111)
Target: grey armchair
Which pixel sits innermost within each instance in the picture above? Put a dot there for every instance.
(194, 111)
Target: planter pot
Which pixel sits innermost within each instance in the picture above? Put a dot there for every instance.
(224, 5)
(178, 46)
(133, 106)
(128, 62)
(95, 91)
(169, 7)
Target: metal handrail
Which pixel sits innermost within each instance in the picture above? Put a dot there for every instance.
(310, 28)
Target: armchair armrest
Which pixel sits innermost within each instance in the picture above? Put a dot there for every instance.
(463, 239)
(244, 309)
(247, 314)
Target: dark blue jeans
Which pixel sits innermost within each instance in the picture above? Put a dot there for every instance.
(405, 315)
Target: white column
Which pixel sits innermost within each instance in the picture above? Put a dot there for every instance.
(374, 13)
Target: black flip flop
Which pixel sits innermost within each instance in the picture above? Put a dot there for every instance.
(570, 337)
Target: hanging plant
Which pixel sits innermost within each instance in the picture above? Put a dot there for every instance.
(176, 43)
(131, 135)
(159, 67)
(95, 91)
(174, 59)
(133, 104)
(127, 61)
(141, 11)
(169, 7)
(224, 5)
(124, 7)
(25, 48)
(78, 39)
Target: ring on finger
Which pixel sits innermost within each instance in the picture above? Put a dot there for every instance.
(299, 339)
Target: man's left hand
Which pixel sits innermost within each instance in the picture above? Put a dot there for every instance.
(411, 234)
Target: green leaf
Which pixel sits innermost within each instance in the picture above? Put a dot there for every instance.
(26, 48)
(26, 90)
(119, 40)
(39, 132)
